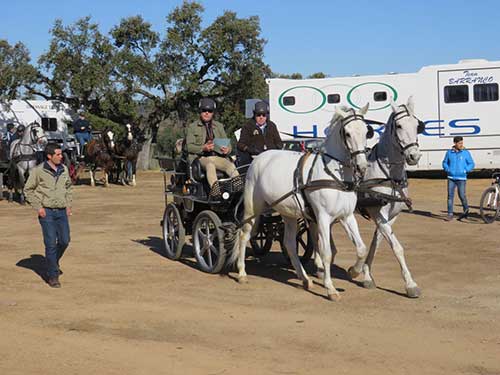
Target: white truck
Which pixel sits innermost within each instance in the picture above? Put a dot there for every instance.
(54, 117)
(457, 99)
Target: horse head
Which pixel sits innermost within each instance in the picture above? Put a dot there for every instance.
(130, 135)
(405, 128)
(36, 135)
(108, 138)
(349, 131)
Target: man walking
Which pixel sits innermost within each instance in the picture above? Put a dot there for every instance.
(457, 163)
(48, 190)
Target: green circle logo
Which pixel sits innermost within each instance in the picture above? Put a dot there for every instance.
(394, 92)
(323, 99)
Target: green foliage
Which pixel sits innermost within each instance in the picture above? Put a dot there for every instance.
(15, 69)
(99, 123)
(166, 139)
(318, 75)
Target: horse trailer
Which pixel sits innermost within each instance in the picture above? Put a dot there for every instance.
(456, 99)
(53, 115)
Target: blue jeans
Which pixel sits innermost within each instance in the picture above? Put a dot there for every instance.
(460, 184)
(55, 229)
(83, 138)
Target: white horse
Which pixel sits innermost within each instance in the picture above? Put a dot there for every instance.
(23, 155)
(271, 176)
(386, 174)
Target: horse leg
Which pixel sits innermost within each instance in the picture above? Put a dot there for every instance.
(326, 256)
(351, 227)
(106, 177)
(92, 176)
(133, 167)
(368, 281)
(290, 241)
(385, 227)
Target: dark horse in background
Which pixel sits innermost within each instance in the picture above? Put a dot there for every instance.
(126, 154)
(98, 154)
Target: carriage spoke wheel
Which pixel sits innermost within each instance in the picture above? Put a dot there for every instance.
(489, 207)
(263, 240)
(208, 242)
(304, 243)
(174, 235)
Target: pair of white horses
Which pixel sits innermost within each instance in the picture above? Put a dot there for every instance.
(270, 177)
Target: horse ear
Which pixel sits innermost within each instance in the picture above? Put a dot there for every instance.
(411, 104)
(341, 112)
(364, 110)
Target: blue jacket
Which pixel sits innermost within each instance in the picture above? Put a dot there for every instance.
(457, 164)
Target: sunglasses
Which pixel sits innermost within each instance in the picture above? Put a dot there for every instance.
(207, 110)
(261, 115)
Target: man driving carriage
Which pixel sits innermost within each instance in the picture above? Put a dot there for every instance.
(258, 135)
(200, 136)
(82, 131)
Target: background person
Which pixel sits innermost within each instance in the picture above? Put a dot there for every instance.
(82, 130)
(48, 190)
(457, 163)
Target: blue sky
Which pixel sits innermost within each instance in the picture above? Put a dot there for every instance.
(335, 37)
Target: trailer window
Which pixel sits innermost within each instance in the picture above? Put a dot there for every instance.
(49, 124)
(486, 92)
(289, 100)
(333, 98)
(456, 94)
(380, 96)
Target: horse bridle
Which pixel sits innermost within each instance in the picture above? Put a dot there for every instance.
(400, 115)
(353, 117)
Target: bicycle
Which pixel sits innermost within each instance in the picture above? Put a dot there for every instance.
(489, 207)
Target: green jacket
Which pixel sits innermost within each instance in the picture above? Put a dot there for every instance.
(48, 189)
(196, 136)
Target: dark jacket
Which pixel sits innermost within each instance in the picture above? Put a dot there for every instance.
(253, 142)
(457, 164)
(81, 126)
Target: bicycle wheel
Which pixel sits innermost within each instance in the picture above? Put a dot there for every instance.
(489, 207)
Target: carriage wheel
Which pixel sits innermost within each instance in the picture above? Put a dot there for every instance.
(174, 234)
(208, 242)
(263, 240)
(305, 246)
(489, 208)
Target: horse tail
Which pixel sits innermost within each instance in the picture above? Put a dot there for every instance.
(245, 229)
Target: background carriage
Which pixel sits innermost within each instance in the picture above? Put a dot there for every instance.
(211, 223)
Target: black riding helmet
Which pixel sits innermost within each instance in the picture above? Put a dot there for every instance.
(10, 126)
(261, 108)
(207, 104)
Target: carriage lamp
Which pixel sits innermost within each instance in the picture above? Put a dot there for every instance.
(225, 195)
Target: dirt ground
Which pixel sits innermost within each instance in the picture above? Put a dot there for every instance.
(126, 309)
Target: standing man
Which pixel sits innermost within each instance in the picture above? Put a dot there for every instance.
(200, 137)
(457, 163)
(48, 190)
(258, 134)
(82, 130)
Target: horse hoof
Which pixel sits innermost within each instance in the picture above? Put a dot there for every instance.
(243, 280)
(352, 273)
(369, 284)
(414, 292)
(307, 284)
(335, 297)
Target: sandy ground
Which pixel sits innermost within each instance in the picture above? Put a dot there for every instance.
(126, 309)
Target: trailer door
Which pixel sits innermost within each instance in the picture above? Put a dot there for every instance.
(469, 102)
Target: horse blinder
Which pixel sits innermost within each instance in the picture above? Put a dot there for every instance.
(370, 132)
(420, 127)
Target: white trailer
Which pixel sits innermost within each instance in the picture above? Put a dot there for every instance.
(457, 99)
(54, 117)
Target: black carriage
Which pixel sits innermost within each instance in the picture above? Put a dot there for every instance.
(189, 210)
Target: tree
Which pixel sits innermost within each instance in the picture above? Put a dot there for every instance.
(318, 75)
(15, 69)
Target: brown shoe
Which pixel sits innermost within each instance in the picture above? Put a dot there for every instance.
(54, 282)
(449, 217)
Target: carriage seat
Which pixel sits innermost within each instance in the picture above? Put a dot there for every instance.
(198, 173)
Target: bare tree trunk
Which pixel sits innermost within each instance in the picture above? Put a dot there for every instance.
(144, 156)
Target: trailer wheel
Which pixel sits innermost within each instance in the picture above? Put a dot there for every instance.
(208, 242)
(174, 234)
(305, 246)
